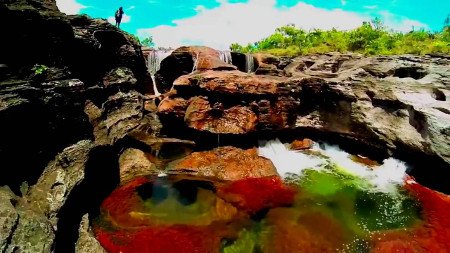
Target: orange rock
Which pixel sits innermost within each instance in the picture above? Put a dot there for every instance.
(302, 144)
(235, 120)
(226, 163)
(175, 106)
(231, 82)
(364, 160)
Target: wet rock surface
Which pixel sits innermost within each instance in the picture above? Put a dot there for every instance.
(84, 126)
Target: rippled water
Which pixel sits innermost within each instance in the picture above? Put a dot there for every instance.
(328, 201)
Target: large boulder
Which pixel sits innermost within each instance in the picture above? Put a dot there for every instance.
(225, 163)
(100, 47)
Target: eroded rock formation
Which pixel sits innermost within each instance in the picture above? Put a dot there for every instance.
(79, 111)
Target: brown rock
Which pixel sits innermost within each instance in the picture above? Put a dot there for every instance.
(185, 60)
(229, 82)
(225, 163)
(86, 242)
(134, 163)
(235, 120)
(301, 144)
(175, 106)
(267, 64)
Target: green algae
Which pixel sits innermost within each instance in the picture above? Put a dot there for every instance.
(248, 241)
(355, 202)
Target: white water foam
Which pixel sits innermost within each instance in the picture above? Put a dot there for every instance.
(225, 56)
(385, 177)
(154, 60)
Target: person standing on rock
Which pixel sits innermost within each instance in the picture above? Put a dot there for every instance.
(118, 16)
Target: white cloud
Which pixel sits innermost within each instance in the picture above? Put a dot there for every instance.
(400, 23)
(250, 22)
(131, 8)
(69, 7)
(125, 19)
(343, 2)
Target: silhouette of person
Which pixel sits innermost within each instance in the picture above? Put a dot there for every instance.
(118, 16)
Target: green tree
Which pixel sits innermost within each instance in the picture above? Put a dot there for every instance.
(148, 42)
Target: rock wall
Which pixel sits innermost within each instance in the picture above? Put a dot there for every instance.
(51, 65)
(393, 105)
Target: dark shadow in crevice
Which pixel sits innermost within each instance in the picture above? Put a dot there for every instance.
(101, 178)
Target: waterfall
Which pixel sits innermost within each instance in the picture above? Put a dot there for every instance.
(249, 63)
(155, 88)
(226, 56)
(194, 68)
(154, 60)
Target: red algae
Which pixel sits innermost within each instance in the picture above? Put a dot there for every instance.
(254, 194)
(171, 239)
(287, 229)
(118, 210)
(433, 235)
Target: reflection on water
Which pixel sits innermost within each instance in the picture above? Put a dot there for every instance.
(326, 204)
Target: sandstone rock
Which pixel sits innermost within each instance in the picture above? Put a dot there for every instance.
(301, 144)
(120, 78)
(185, 60)
(120, 114)
(133, 163)
(229, 82)
(392, 104)
(225, 163)
(176, 106)
(33, 233)
(57, 181)
(107, 48)
(267, 64)
(8, 216)
(55, 110)
(86, 241)
(202, 116)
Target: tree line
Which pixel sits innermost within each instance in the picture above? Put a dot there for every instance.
(371, 38)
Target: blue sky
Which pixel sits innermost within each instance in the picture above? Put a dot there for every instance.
(219, 23)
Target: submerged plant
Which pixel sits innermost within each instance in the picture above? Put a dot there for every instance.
(39, 69)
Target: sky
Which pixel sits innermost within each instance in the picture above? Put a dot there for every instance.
(218, 23)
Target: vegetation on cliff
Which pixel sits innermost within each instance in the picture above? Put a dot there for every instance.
(371, 38)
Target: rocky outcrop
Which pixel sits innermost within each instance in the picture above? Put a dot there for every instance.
(43, 88)
(99, 47)
(185, 60)
(133, 163)
(31, 221)
(8, 216)
(86, 242)
(40, 119)
(392, 104)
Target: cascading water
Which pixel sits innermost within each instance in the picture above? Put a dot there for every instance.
(154, 60)
(384, 177)
(249, 63)
(196, 58)
(226, 56)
